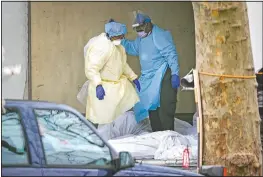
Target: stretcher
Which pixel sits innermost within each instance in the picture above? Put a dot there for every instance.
(177, 163)
(188, 84)
(170, 163)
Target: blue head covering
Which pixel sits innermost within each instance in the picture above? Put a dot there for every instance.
(113, 28)
(141, 18)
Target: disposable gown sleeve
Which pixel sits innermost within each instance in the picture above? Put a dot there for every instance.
(165, 44)
(95, 59)
(127, 71)
(131, 46)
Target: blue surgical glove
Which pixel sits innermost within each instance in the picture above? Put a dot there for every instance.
(100, 92)
(137, 83)
(175, 81)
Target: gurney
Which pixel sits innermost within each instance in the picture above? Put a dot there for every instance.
(162, 148)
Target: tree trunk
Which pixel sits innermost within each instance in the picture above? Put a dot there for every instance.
(230, 109)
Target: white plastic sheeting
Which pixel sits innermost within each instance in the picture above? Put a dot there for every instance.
(173, 144)
(82, 96)
(184, 128)
(124, 125)
(127, 135)
(163, 145)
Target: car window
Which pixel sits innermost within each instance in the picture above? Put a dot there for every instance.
(67, 140)
(14, 151)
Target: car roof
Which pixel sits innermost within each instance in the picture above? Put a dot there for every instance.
(39, 104)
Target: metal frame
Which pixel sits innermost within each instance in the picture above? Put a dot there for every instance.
(29, 75)
(198, 101)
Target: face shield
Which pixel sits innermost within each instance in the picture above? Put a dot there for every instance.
(141, 23)
(139, 18)
(140, 28)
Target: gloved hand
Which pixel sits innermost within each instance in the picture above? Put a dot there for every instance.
(137, 83)
(175, 81)
(100, 92)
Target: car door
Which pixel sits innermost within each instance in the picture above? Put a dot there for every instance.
(16, 151)
(70, 147)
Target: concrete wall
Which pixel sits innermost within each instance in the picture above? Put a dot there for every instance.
(255, 26)
(15, 43)
(59, 24)
(61, 29)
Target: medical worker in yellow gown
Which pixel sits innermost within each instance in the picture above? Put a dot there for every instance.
(110, 92)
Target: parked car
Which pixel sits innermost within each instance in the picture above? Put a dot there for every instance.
(48, 139)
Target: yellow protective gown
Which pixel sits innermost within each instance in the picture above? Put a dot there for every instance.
(106, 64)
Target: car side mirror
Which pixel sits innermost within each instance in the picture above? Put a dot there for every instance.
(125, 160)
(213, 170)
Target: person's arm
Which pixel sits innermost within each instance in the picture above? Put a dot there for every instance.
(131, 46)
(95, 59)
(129, 72)
(164, 42)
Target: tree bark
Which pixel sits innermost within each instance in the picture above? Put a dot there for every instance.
(230, 109)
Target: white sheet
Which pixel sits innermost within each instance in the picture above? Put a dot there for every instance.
(124, 125)
(163, 145)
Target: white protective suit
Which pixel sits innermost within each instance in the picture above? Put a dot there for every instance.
(106, 64)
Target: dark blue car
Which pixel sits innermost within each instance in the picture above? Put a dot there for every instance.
(48, 139)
